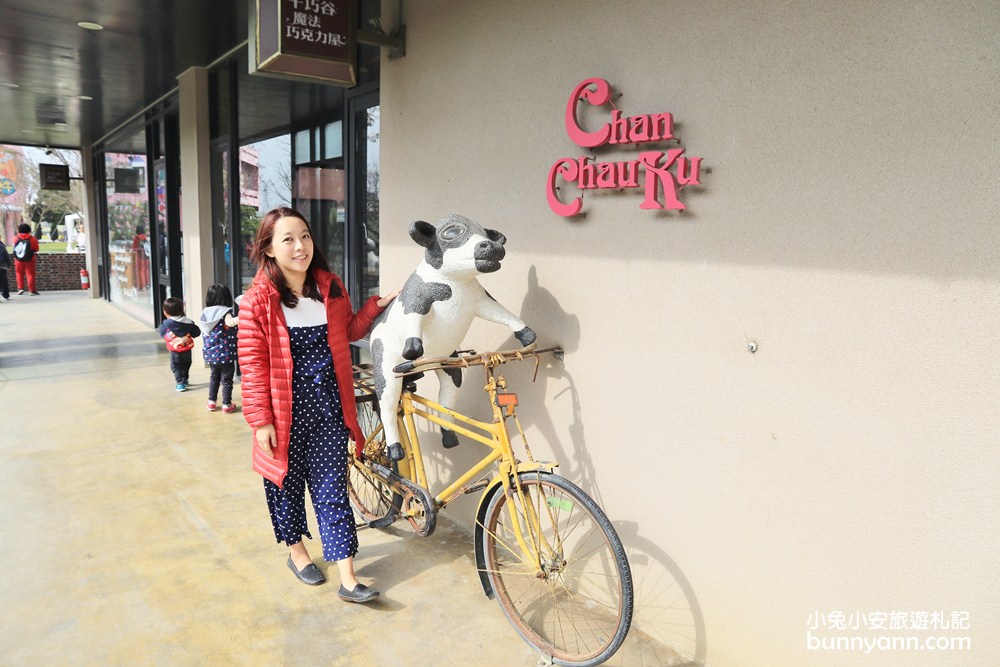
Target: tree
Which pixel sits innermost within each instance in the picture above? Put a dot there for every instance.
(51, 206)
(249, 221)
(126, 218)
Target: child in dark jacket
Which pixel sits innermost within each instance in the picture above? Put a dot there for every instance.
(219, 345)
(179, 333)
(5, 263)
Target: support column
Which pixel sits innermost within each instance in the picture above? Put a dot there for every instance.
(196, 186)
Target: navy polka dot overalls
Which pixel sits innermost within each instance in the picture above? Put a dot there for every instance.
(317, 453)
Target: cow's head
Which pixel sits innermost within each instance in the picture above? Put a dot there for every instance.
(459, 247)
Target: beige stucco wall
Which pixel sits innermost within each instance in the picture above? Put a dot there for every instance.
(849, 227)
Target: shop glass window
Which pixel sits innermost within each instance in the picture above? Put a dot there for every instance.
(129, 252)
(265, 184)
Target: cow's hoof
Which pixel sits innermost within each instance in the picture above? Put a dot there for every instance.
(525, 336)
(448, 438)
(413, 348)
(395, 451)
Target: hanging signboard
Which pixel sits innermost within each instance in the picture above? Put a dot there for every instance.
(660, 171)
(311, 40)
(53, 176)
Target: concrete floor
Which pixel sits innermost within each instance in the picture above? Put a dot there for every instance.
(136, 533)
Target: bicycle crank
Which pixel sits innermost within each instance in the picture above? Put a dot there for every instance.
(418, 505)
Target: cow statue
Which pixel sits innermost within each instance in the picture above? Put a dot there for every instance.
(434, 310)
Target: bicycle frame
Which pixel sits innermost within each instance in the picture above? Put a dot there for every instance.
(543, 548)
(493, 435)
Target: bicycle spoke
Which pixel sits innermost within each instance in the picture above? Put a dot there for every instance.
(509, 546)
(370, 495)
(572, 599)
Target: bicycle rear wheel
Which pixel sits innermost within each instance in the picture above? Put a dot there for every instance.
(573, 601)
(370, 495)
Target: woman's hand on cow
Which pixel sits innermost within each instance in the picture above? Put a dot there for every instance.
(386, 300)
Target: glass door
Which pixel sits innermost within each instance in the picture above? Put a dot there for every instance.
(263, 180)
(165, 234)
(363, 209)
(320, 192)
(126, 205)
(162, 230)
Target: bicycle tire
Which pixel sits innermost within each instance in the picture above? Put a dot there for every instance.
(370, 495)
(579, 608)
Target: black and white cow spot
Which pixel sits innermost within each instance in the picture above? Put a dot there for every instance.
(418, 296)
(376, 352)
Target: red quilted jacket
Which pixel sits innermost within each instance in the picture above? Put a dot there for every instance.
(266, 362)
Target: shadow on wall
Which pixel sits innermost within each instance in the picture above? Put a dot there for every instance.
(668, 627)
(666, 608)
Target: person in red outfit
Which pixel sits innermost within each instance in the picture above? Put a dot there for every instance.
(140, 258)
(295, 326)
(25, 248)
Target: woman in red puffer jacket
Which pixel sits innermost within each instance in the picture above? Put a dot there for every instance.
(295, 326)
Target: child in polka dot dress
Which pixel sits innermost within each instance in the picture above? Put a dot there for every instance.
(295, 326)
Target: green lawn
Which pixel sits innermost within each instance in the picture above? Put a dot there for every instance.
(51, 246)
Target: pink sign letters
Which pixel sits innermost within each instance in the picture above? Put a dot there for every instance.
(654, 170)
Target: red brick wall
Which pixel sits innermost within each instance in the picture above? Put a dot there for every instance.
(54, 271)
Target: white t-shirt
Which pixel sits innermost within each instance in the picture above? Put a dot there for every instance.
(306, 313)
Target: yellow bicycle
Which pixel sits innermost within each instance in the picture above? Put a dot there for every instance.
(544, 549)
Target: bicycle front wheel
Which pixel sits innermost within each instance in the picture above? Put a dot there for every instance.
(570, 595)
(370, 495)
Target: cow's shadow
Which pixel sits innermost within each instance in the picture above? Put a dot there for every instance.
(562, 329)
(532, 384)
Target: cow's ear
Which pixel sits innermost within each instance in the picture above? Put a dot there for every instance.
(424, 233)
(494, 235)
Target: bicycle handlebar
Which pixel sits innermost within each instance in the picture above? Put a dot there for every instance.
(472, 358)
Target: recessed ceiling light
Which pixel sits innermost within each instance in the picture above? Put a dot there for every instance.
(86, 98)
(10, 85)
(87, 25)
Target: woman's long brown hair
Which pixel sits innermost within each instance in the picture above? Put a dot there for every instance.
(269, 266)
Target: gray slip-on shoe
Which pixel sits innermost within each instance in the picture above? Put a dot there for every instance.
(310, 574)
(361, 593)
